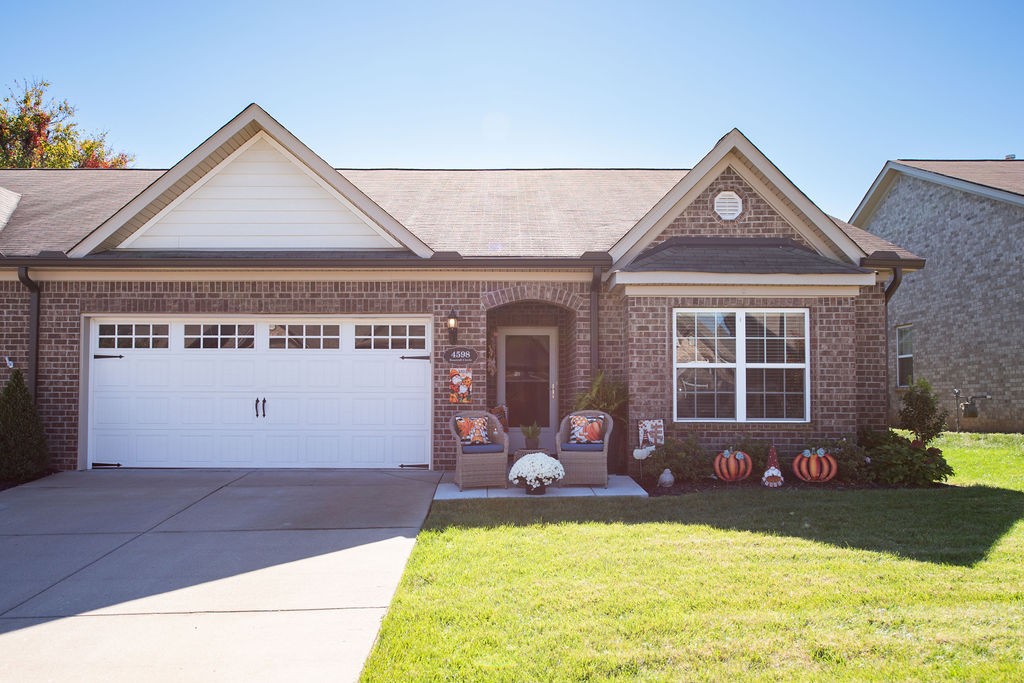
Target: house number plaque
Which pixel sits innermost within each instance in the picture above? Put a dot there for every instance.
(460, 354)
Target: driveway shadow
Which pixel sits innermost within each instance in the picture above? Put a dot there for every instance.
(946, 525)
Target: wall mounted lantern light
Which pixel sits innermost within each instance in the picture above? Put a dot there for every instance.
(453, 327)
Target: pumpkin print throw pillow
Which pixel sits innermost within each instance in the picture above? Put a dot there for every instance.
(583, 429)
(472, 430)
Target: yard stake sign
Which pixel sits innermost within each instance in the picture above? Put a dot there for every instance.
(772, 477)
(460, 385)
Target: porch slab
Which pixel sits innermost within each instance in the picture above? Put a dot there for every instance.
(618, 485)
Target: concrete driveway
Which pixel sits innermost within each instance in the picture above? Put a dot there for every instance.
(202, 574)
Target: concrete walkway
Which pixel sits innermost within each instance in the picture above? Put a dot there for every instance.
(202, 574)
(618, 486)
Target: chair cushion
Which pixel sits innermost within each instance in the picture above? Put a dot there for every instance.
(483, 448)
(581, 447)
(472, 430)
(584, 429)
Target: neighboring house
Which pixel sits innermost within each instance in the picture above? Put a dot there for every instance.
(253, 306)
(960, 323)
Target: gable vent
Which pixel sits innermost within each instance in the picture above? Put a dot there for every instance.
(728, 205)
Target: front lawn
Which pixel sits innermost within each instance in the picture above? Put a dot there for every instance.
(723, 585)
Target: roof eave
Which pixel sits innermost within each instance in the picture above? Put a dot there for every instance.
(588, 260)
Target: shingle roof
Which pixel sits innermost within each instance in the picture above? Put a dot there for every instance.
(59, 207)
(554, 212)
(736, 255)
(1000, 174)
(869, 242)
(561, 212)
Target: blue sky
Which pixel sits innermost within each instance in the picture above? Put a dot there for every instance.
(829, 92)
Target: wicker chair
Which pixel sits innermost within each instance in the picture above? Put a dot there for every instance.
(586, 464)
(481, 465)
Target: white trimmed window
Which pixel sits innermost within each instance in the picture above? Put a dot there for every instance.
(904, 355)
(741, 365)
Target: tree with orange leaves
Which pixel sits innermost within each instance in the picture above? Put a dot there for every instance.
(40, 133)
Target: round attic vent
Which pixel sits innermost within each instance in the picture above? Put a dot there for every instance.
(728, 205)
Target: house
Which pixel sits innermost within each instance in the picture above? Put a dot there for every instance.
(960, 323)
(254, 306)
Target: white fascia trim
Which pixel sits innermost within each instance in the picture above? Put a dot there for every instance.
(736, 291)
(701, 175)
(253, 114)
(261, 135)
(293, 275)
(673, 278)
(869, 204)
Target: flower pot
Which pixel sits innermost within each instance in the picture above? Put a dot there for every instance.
(532, 442)
(537, 490)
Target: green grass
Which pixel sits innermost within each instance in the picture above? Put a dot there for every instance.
(723, 585)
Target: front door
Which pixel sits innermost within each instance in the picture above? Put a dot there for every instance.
(527, 381)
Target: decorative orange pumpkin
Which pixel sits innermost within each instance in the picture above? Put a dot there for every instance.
(815, 466)
(594, 431)
(732, 465)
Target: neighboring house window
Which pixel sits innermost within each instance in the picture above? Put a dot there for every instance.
(741, 365)
(904, 355)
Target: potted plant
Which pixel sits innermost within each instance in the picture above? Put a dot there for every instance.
(531, 435)
(536, 471)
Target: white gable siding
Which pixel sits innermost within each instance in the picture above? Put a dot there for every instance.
(260, 199)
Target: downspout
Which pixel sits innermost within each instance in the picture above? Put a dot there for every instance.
(595, 319)
(894, 283)
(33, 328)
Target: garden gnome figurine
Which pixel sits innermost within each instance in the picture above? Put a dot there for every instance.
(772, 477)
(666, 479)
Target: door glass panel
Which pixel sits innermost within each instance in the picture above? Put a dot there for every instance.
(528, 379)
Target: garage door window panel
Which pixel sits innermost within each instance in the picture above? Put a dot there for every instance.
(284, 336)
(133, 336)
(378, 336)
(220, 336)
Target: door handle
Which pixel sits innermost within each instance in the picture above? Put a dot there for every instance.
(257, 406)
(264, 407)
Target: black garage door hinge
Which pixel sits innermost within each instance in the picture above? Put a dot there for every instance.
(102, 355)
(415, 357)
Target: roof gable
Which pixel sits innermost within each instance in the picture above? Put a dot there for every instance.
(1000, 179)
(179, 181)
(260, 197)
(734, 151)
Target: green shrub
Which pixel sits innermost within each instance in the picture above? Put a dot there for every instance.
(685, 457)
(758, 452)
(23, 454)
(897, 461)
(852, 462)
(920, 413)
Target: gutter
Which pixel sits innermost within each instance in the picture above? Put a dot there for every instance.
(595, 319)
(33, 328)
(891, 260)
(440, 260)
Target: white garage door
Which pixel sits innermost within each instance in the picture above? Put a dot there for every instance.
(278, 392)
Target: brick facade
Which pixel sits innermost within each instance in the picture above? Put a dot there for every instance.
(835, 359)
(758, 219)
(847, 338)
(965, 306)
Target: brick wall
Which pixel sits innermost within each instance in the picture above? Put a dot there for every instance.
(63, 304)
(14, 306)
(758, 219)
(965, 305)
(834, 367)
